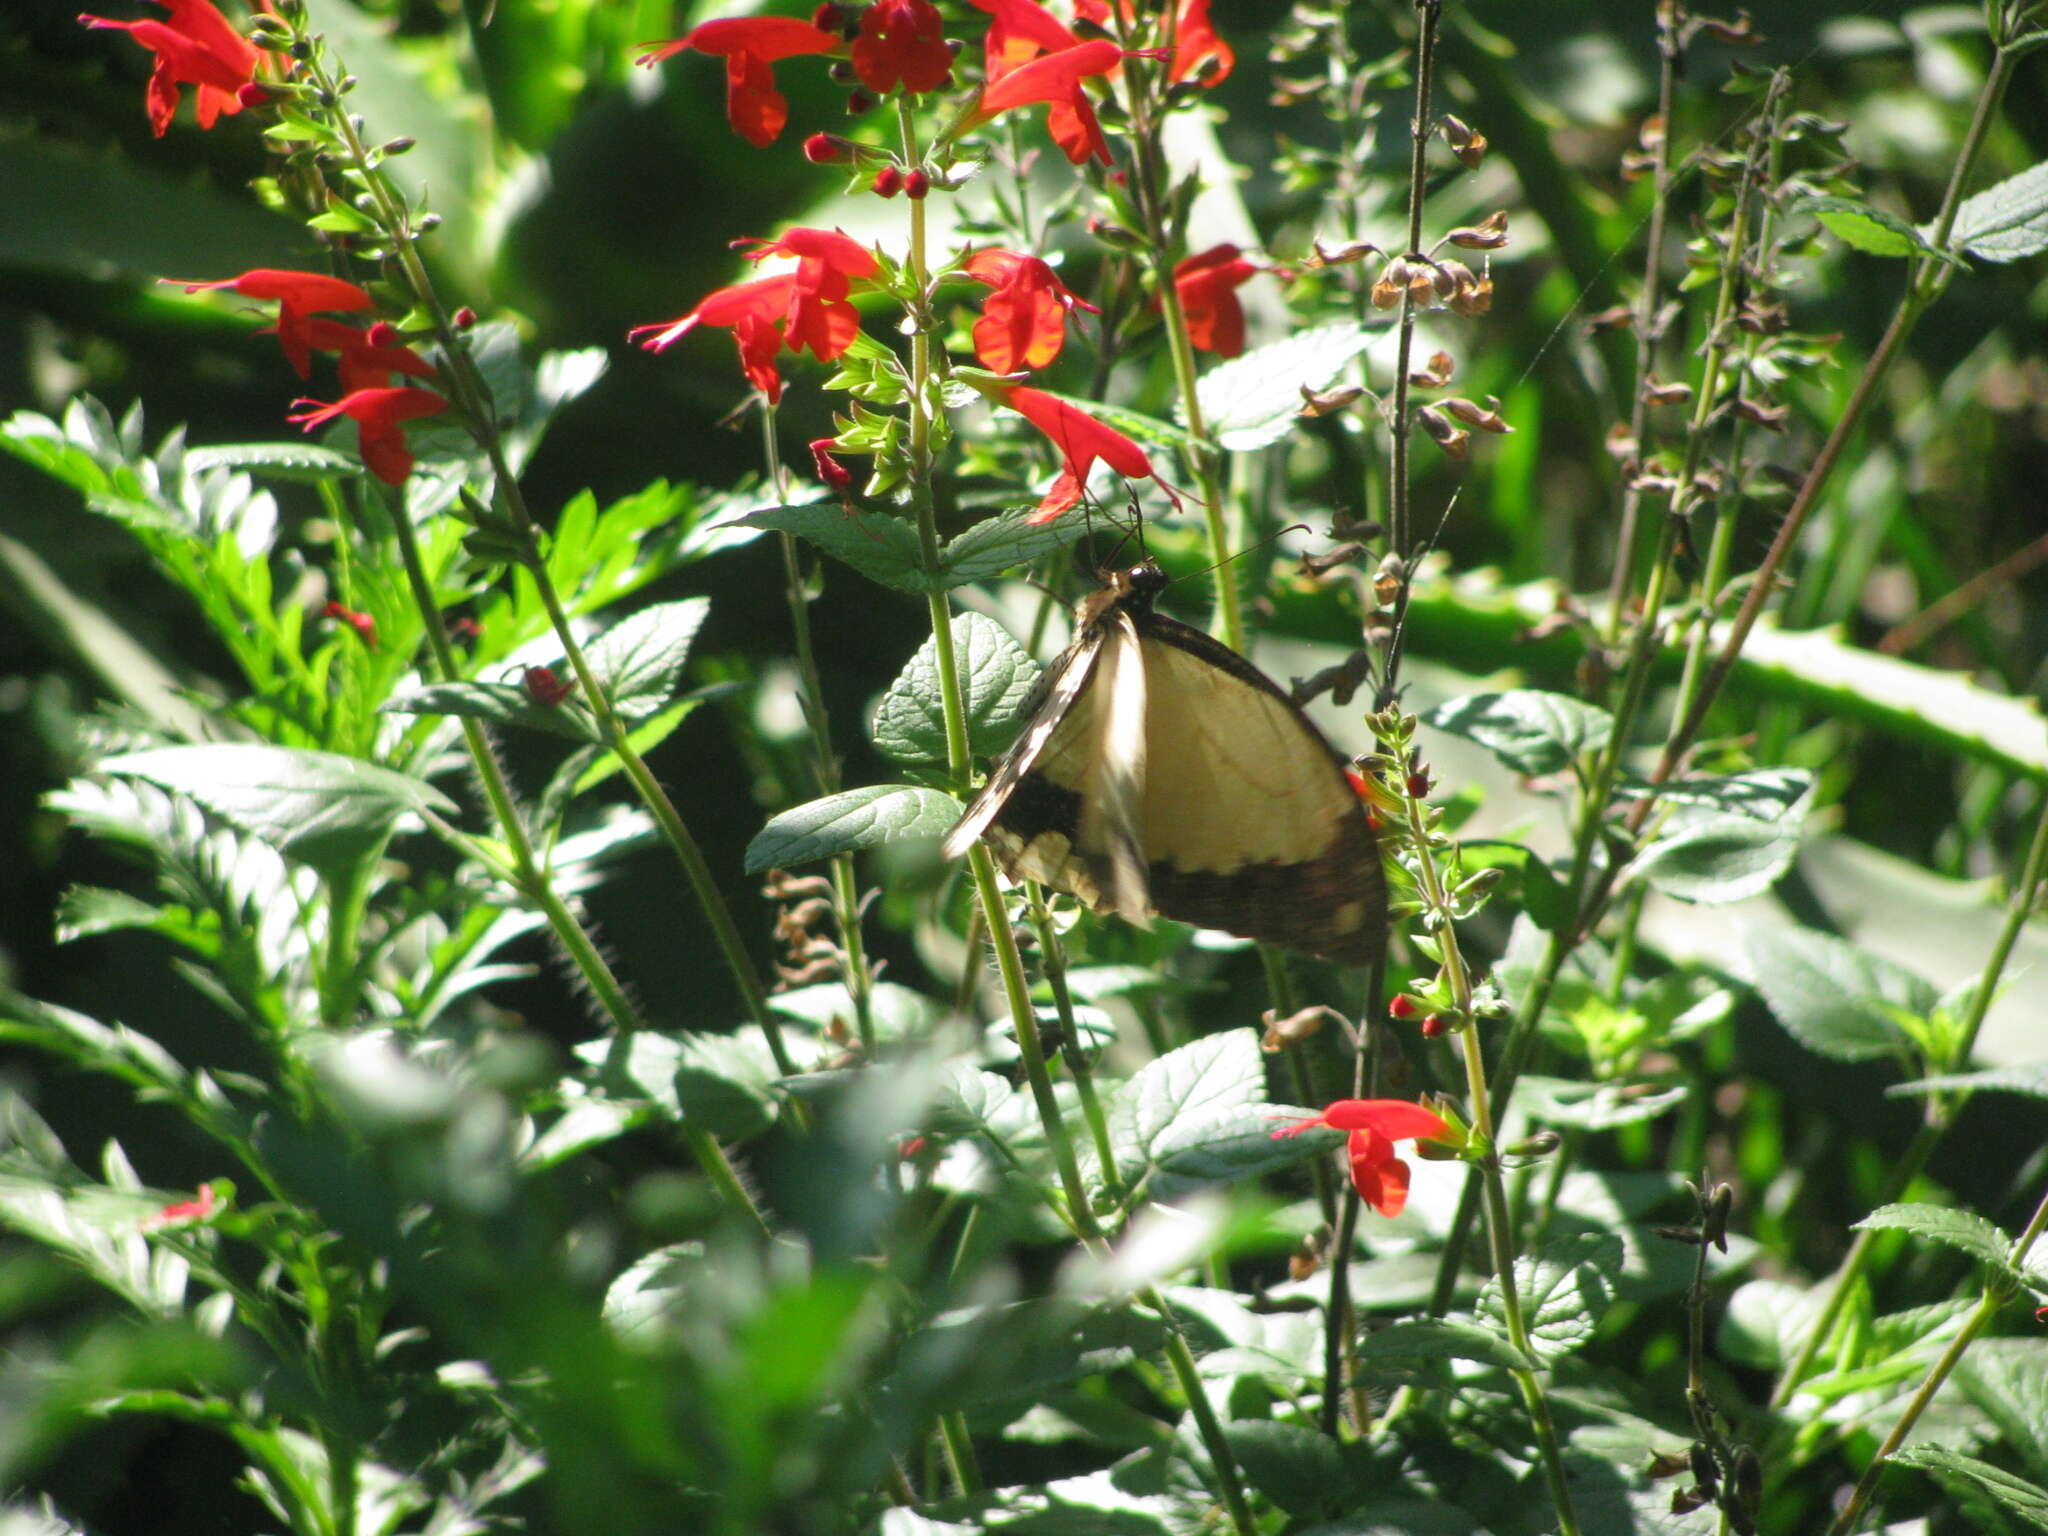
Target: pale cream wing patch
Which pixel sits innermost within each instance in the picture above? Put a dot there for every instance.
(1233, 774)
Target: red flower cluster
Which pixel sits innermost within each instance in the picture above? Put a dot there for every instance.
(1023, 322)
(804, 308)
(199, 47)
(1375, 1125)
(751, 46)
(902, 43)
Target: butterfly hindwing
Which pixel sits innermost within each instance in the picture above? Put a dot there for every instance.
(1163, 772)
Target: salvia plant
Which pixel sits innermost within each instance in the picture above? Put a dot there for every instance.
(1666, 1156)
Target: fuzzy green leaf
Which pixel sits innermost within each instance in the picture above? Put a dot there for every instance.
(882, 547)
(1532, 731)
(1868, 229)
(1827, 993)
(1253, 400)
(2015, 1495)
(854, 819)
(1713, 857)
(1208, 1077)
(320, 807)
(1762, 793)
(501, 704)
(996, 678)
(1966, 1230)
(1435, 1339)
(1297, 1467)
(2029, 1078)
(1565, 1286)
(641, 657)
(999, 543)
(2008, 222)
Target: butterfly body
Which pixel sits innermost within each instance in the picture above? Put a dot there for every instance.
(1163, 773)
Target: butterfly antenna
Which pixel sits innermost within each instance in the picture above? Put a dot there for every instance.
(1272, 538)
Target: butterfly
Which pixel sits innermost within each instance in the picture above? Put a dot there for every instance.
(1163, 773)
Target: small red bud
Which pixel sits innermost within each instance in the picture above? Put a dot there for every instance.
(464, 630)
(830, 470)
(824, 149)
(361, 623)
(1433, 1026)
(915, 185)
(465, 317)
(544, 686)
(250, 95)
(828, 17)
(1418, 784)
(383, 334)
(912, 1148)
(859, 104)
(1402, 1007)
(888, 181)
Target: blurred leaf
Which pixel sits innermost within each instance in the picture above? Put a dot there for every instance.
(724, 1084)
(2008, 1379)
(1766, 1322)
(1868, 229)
(1529, 882)
(1764, 793)
(1966, 1230)
(1711, 858)
(857, 818)
(644, 738)
(1254, 400)
(1533, 732)
(997, 677)
(1296, 1466)
(321, 807)
(1596, 1106)
(999, 543)
(1827, 993)
(2006, 222)
(2014, 1495)
(2029, 1078)
(1437, 1339)
(1215, 1075)
(1564, 1287)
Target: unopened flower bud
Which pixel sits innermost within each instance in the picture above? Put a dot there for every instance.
(1446, 434)
(1402, 1006)
(915, 185)
(1434, 1027)
(829, 17)
(397, 146)
(383, 334)
(464, 317)
(545, 686)
(859, 104)
(834, 474)
(888, 181)
(250, 95)
(825, 149)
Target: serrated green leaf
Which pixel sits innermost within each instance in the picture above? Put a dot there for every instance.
(2008, 1380)
(1534, 732)
(1436, 1339)
(89, 909)
(851, 820)
(1827, 993)
(725, 1084)
(1713, 857)
(1221, 1147)
(1253, 400)
(2015, 1495)
(1865, 228)
(997, 544)
(641, 657)
(1564, 1289)
(1210, 1076)
(307, 462)
(320, 807)
(2007, 222)
(1595, 1106)
(2029, 1078)
(881, 547)
(1763, 793)
(501, 704)
(997, 677)
(1966, 1230)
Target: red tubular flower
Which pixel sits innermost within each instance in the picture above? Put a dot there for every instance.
(1375, 1125)
(1023, 322)
(1207, 286)
(1056, 79)
(380, 416)
(902, 43)
(299, 296)
(1195, 43)
(369, 358)
(836, 475)
(750, 45)
(804, 308)
(1020, 32)
(362, 623)
(1081, 440)
(184, 1210)
(198, 46)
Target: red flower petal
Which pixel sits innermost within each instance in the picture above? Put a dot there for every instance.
(1195, 41)
(1023, 323)
(1020, 32)
(750, 45)
(902, 43)
(197, 46)
(1081, 440)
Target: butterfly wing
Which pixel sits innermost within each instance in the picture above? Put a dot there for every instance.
(1250, 823)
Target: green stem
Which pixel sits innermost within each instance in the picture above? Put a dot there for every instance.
(960, 1456)
(1207, 1425)
(1053, 959)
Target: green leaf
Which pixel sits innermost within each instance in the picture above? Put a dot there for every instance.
(1827, 993)
(724, 1084)
(2029, 1078)
(996, 678)
(2008, 1380)
(641, 658)
(1766, 1322)
(853, 819)
(996, 544)
(1255, 399)
(2015, 1495)
(1532, 731)
(1763, 793)
(1222, 1147)
(320, 807)
(1959, 1229)
(1207, 1077)
(881, 547)
(1714, 857)
(1565, 1287)
(1595, 1106)
(1868, 229)
(643, 739)
(2008, 222)
(307, 462)
(1436, 1339)
(1297, 1467)
(501, 704)
(1528, 881)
